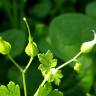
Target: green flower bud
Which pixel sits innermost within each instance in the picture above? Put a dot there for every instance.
(5, 47)
(77, 67)
(86, 47)
(31, 49)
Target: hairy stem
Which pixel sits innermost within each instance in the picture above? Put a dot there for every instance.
(66, 63)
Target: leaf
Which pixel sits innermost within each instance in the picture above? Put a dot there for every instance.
(70, 30)
(10, 90)
(91, 10)
(15, 75)
(56, 77)
(86, 75)
(44, 90)
(56, 93)
(3, 90)
(41, 9)
(47, 62)
(17, 40)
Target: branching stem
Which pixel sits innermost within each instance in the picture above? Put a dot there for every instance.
(29, 63)
(23, 71)
(66, 63)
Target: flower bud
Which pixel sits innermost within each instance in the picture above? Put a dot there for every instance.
(86, 47)
(77, 67)
(31, 49)
(5, 47)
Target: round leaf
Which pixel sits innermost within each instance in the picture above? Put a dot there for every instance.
(68, 32)
(17, 40)
(42, 9)
(91, 9)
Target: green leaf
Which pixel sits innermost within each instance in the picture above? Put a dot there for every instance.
(47, 62)
(17, 40)
(44, 90)
(3, 90)
(56, 93)
(86, 75)
(15, 75)
(41, 9)
(70, 30)
(10, 90)
(91, 10)
(55, 77)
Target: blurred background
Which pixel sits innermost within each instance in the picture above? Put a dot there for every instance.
(59, 25)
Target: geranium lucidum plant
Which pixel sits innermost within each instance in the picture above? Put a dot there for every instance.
(48, 67)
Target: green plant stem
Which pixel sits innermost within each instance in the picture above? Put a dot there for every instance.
(43, 82)
(23, 75)
(66, 63)
(46, 78)
(24, 83)
(15, 63)
(23, 71)
(29, 63)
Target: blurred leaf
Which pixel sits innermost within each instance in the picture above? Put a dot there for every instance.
(3, 3)
(86, 73)
(68, 31)
(17, 40)
(10, 90)
(59, 2)
(70, 83)
(91, 10)
(14, 75)
(42, 9)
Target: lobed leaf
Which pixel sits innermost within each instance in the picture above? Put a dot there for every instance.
(47, 62)
(10, 90)
(44, 90)
(56, 77)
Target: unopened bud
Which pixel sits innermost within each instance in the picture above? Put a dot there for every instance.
(77, 67)
(86, 47)
(5, 47)
(31, 49)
